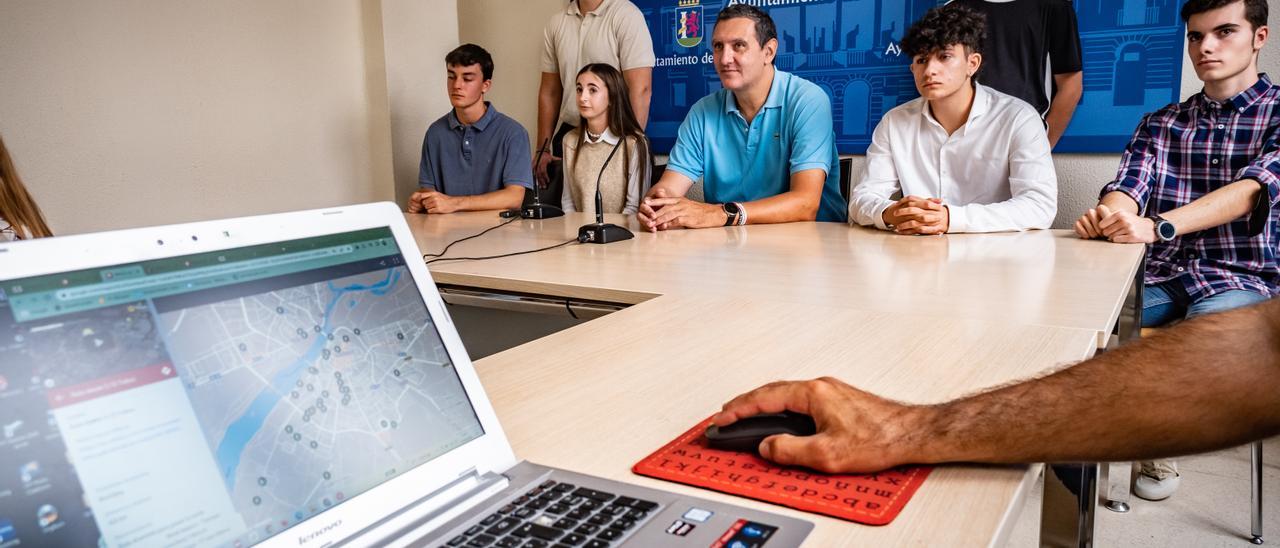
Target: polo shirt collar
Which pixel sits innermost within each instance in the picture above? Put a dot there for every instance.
(608, 137)
(489, 114)
(572, 8)
(773, 100)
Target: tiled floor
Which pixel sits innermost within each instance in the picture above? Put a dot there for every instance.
(1211, 507)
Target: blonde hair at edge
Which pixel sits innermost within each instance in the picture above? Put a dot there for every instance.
(16, 206)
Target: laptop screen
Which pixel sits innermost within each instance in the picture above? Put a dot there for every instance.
(217, 399)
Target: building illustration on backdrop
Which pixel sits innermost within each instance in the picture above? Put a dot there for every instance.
(1132, 53)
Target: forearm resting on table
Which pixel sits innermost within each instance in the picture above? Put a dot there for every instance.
(1216, 208)
(1119, 201)
(1208, 383)
(782, 208)
(798, 204)
(510, 197)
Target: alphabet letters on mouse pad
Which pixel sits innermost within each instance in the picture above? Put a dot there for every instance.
(873, 499)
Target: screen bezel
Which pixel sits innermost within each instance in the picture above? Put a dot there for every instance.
(491, 452)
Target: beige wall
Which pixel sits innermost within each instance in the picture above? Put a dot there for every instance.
(134, 112)
(512, 31)
(418, 34)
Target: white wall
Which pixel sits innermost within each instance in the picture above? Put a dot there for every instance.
(134, 112)
(512, 32)
(418, 34)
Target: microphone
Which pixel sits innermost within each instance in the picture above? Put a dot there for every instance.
(601, 233)
(537, 209)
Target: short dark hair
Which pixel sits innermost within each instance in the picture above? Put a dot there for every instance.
(1255, 11)
(765, 30)
(471, 54)
(943, 27)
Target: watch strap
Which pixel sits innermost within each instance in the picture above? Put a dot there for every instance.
(731, 217)
(1161, 221)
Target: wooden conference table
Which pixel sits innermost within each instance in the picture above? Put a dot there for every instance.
(719, 311)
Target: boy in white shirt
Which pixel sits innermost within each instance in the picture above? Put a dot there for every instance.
(964, 157)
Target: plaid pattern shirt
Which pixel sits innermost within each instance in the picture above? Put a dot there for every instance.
(1187, 150)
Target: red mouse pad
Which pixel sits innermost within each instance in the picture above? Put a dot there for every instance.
(873, 499)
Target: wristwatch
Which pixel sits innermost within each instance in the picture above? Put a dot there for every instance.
(732, 211)
(1165, 231)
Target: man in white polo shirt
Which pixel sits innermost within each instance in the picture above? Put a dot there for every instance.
(964, 157)
(584, 32)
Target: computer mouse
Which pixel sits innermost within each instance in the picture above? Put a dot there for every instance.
(746, 434)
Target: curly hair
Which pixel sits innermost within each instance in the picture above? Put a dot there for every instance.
(943, 27)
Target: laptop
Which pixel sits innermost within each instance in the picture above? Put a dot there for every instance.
(280, 380)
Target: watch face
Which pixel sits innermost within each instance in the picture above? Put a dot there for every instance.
(731, 208)
(1165, 229)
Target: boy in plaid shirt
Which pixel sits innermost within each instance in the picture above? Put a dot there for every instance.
(1199, 183)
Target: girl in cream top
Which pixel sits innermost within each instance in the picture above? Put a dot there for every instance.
(608, 122)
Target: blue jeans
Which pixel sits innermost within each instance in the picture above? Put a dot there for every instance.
(1168, 302)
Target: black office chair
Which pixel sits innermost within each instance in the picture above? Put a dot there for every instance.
(846, 177)
(550, 194)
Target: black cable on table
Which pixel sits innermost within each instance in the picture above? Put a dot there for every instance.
(477, 235)
(550, 247)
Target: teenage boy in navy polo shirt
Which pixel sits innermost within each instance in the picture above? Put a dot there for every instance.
(474, 158)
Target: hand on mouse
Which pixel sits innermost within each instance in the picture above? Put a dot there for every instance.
(857, 431)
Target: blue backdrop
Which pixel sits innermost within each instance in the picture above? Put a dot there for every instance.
(1132, 51)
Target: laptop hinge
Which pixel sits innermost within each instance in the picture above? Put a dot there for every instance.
(432, 511)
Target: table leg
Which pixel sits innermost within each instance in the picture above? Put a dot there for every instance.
(1118, 475)
(1069, 506)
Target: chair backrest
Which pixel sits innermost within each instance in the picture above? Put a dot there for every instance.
(695, 192)
(846, 177)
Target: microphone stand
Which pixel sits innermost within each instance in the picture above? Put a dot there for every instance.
(537, 209)
(600, 232)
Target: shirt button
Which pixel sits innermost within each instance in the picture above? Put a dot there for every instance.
(1241, 109)
(1180, 269)
(1220, 126)
(1215, 161)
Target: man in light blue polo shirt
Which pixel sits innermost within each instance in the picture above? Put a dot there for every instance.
(474, 158)
(763, 146)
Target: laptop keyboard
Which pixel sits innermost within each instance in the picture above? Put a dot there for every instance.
(558, 515)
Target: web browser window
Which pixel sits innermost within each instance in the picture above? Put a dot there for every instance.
(220, 398)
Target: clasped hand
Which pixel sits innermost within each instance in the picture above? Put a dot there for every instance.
(431, 201)
(662, 212)
(916, 215)
(1119, 226)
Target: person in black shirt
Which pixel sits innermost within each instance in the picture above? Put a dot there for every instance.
(1025, 40)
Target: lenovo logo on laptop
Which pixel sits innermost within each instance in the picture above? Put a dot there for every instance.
(303, 540)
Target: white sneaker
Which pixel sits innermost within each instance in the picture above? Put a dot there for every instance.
(1157, 480)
